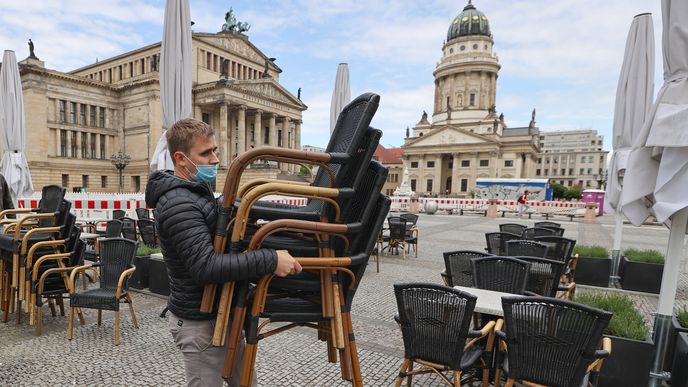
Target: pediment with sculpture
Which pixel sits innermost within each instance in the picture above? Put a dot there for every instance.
(268, 89)
(449, 136)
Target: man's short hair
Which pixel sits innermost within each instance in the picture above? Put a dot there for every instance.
(181, 136)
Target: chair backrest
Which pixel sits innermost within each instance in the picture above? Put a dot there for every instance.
(52, 197)
(496, 241)
(459, 268)
(364, 248)
(527, 248)
(411, 219)
(147, 231)
(544, 275)
(558, 231)
(513, 228)
(116, 255)
(551, 341)
(113, 228)
(502, 274)
(560, 248)
(142, 213)
(531, 233)
(118, 214)
(547, 224)
(358, 210)
(434, 322)
(397, 227)
(129, 228)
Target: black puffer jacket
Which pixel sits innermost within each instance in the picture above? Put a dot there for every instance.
(185, 214)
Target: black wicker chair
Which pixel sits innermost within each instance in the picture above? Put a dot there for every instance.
(544, 278)
(523, 247)
(118, 214)
(496, 242)
(533, 232)
(116, 257)
(397, 234)
(113, 228)
(559, 248)
(513, 228)
(142, 213)
(458, 268)
(551, 342)
(557, 231)
(547, 224)
(411, 238)
(129, 229)
(147, 231)
(435, 325)
(501, 274)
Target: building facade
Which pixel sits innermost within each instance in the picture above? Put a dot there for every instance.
(572, 158)
(392, 159)
(75, 121)
(467, 139)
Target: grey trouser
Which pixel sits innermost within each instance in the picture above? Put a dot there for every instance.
(202, 361)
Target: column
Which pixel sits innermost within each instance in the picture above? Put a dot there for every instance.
(420, 183)
(438, 185)
(78, 145)
(297, 134)
(475, 157)
(97, 154)
(224, 149)
(273, 130)
(258, 129)
(456, 183)
(241, 130)
(197, 113)
(231, 134)
(285, 131)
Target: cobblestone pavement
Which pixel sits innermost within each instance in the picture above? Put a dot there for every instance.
(147, 356)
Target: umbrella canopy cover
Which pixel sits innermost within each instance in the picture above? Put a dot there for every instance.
(15, 168)
(341, 94)
(175, 75)
(657, 169)
(634, 95)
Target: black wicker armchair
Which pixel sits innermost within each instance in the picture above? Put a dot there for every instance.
(501, 274)
(397, 234)
(496, 242)
(523, 247)
(116, 257)
(551, 342)
(513, 228)
(458, 270)
(142, 213)
(435, 325)
(129, 229)
(118, 214)
(533, 232)
(544, 278)
(148, 232)
(547, 224)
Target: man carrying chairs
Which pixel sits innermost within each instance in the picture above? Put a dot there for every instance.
(186, 214)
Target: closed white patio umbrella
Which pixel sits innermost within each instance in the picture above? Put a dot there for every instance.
(341, 94)
(175, 75)
(15, 168)
(659, 160)
(634, 95)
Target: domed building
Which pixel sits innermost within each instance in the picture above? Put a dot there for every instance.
(467, 138)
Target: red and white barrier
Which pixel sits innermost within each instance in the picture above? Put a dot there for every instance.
(454, 205)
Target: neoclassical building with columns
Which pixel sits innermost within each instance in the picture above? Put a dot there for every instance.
(467, 139)
(77, 120)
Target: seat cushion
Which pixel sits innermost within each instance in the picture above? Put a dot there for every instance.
(95, 299)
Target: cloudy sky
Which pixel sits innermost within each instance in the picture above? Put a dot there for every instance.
(561, 57)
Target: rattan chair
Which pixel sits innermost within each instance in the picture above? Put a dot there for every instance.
(547, 224)
(561, 249)
(551, 342)
(129, 229)
(118, 214)
(501, 274)
(435, 326)
(544, 278)
(412, 232)
(513, 228)
(147, 231)
(116, 257)
(142, 213)
(397, 235)
(496, 242)
(533, 232)
(458, 270)
(523, 247)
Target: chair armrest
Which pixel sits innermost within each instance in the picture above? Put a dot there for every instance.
(120, 283)
(38, 245)
(14, 211)
(256, 182)
(568, 289)
(27, 236)
(49, 257)
(445, 277)
(77, 270)
(601, 354)
(397, 319)
(477, 335)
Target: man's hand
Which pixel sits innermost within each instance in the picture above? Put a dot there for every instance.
(286, 264)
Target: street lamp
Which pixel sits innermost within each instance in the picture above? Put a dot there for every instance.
(120, 160)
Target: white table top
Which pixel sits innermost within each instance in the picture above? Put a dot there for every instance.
(88, 235)
(488, 302)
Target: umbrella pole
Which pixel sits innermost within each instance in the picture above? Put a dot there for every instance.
(616, 249)
(667, 296)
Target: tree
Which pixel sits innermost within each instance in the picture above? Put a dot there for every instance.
(558, 191)
(573, 193)
(304, 171)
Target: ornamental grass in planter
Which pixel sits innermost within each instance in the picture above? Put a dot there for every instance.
(679, 324)
(641, 270)
(631, 357)
(593, 267)
(139, 280)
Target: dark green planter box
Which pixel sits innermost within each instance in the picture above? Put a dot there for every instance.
(158, 282)
(628, 365)
(640, 276)
(593, 271)
(679, 375)
(139, 280)
(676, 328)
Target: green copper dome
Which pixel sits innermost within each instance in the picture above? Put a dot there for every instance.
(469, 22)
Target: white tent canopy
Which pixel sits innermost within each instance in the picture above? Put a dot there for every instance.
(175, 75)
(341, 95)
(15, 168)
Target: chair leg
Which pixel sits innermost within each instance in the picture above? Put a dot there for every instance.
(19, 309)
(117, 327)
(509, 382)
(457, 378)
(353, 349)
(70, 324)
(39, 320)
(133, 313)
(100, 317)
(409, 378)
(404, 365)
(51, 303)
(331, 350)
(250, 352)
(60, 303)
(81, 316)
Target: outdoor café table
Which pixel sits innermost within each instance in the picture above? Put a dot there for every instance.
(488, 302)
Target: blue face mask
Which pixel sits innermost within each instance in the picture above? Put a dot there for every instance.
(204, 173)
